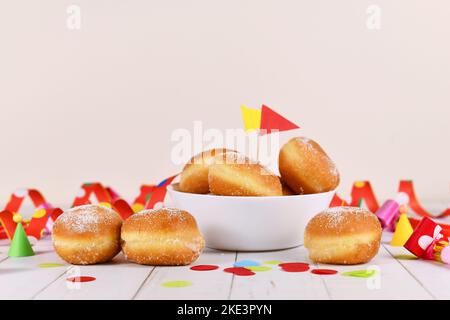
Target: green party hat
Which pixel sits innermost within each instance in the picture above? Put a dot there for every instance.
(20, 245)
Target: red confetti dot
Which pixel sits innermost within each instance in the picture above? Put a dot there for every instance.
(294, 264)
(81, 279)
(324, 271)
(238, 271)
(295, 269)
(204, 267)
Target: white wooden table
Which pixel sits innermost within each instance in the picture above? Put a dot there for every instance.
(399, 278)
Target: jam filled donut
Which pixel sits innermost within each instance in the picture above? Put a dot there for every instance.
(161, 237)
(194, 177)
(87, 234)
(306, 168)
(343, 235)
(240, 177)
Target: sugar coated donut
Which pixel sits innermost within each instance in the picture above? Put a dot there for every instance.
(306, 168)
(343, 235)
(194, 177)
(240, 177)
(286, 190)
(87, 234)
(161, 237)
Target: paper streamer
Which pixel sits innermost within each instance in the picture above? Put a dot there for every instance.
(363, 190)
(153, 195)
(150, 196)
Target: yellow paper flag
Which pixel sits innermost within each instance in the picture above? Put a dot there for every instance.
(251, 117)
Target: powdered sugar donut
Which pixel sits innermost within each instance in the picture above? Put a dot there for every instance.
(194, 177)
(162, 237)
(243, 179)
(87, 234)
(343, 235)
(306, 168)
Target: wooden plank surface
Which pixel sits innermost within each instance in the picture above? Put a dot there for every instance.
(399, 278)
(392, 281)
(277, 284)
(205, 284)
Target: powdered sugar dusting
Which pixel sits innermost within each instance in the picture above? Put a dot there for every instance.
(172, 212)
(304, 140)
(337, 215)
(308, 143)
(87, 218)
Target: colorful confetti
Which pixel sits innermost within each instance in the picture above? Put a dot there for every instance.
(50, 265)
(81, 279)
(324, 271)
(204, 267)
(258, 268)
(274, 262)
(239, 271)
(360, 273)
(405, 257)
(294, 266)
(176, 284)
(246, 263)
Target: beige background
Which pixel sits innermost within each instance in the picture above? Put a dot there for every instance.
(101, 103)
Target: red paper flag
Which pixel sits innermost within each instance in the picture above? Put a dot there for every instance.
(272, 121)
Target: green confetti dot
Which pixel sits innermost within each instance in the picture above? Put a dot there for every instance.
(258, 268)
(176, 284)
(405, 257)
(360, 273)
(50, 265)
(275, 262)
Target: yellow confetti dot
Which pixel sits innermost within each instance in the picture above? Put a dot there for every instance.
(105, 204)
(258, 268)
(50, 265)
(360, 184)
(272, 262)
(137, 207)
(17, 218)
(39, 213)
(176, 284)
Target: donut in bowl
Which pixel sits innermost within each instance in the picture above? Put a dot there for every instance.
(306, 168)
(194, 177)
(241, 177)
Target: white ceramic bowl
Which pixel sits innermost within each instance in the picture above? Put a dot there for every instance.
(251, 223)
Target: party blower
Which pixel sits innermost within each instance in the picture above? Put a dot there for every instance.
(389, 212)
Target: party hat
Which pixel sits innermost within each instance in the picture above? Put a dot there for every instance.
(402, 232)
(20, 245)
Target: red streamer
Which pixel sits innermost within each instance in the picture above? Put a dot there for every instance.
(150, 195)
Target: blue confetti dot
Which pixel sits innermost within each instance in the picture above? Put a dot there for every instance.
(246, 263)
